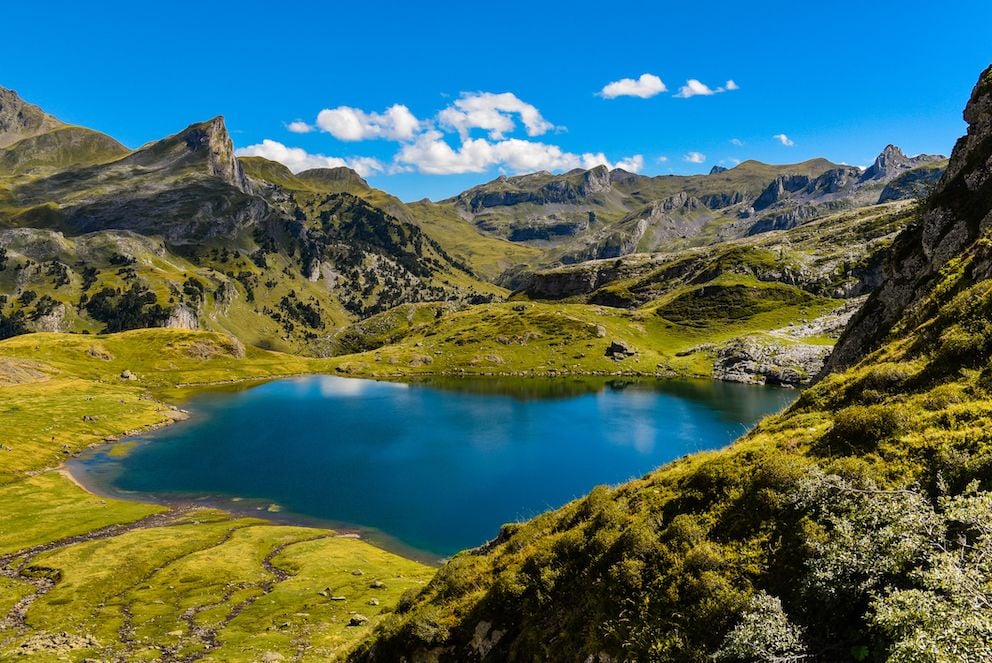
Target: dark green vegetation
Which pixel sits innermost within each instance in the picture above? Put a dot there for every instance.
(854, 526)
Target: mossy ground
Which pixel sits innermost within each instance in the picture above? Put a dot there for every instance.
(137, 581)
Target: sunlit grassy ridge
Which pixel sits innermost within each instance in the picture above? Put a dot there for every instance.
(542, 339)
(134, 581)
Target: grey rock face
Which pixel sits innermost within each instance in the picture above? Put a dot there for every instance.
(778, 188)
(892, 162)
(620, 350)
(19, 119)
(53, 321)
(750, 360)
(183, 317)
(960, 209)
(596, 180)
(911, 184)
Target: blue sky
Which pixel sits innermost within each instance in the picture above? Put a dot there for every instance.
(480, 89)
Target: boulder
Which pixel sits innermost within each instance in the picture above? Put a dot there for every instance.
(619, 350)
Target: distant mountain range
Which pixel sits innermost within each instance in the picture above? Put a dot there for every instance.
(598, 213)
(181, 232)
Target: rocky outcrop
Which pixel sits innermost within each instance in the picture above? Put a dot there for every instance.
(837, 180)
(205, 147)
(183, 317)
(785, 220)
(721, 200)
(554, 192)
(754, 361)
(778, 189)
(595, 180)
(548, 227)
(620, 350)
(913, 183)
(19, 119)
(672, 218)
(958, 212)
(620, 241)
(893, 162)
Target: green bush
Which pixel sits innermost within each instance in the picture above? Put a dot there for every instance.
(864, 426)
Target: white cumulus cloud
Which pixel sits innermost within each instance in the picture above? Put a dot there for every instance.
(785, 140)
(634, 164)
(297, 159)
(696, 88)
(432, 154)
(694, 157)
(299, 127)
(351, 124)
(648, 85)
(736, 141)
(493, 113)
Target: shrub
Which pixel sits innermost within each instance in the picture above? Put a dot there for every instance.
(888, 375)
(764, 633)
(863, 426)
(13, 324)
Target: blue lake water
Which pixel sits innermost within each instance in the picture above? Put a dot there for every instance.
(427, 468)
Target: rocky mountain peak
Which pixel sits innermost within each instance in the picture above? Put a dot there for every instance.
(888, 164)
(716, 170)
(211, 139)
(19, 119)
(892, 162)
(596, 179)
(203, 143)
(959, 211)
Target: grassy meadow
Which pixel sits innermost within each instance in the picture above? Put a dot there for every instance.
(86, 577)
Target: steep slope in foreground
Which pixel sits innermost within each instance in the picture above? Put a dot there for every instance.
(851, 527)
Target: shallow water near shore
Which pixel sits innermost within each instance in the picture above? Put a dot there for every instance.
(424, 468)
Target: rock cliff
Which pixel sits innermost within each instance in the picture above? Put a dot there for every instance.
(958, 211)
